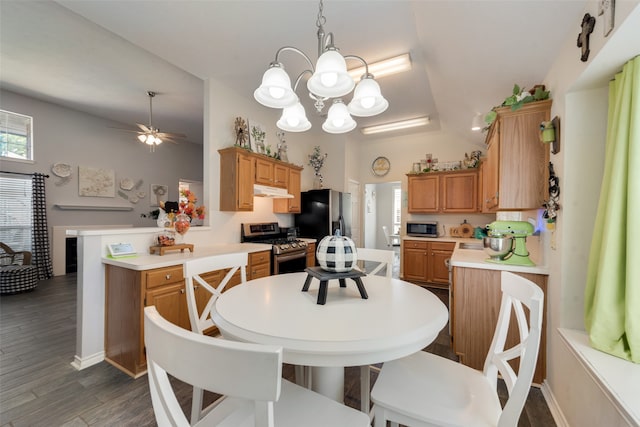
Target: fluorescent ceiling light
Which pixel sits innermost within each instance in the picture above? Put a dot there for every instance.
(385, 67)
(404, 124)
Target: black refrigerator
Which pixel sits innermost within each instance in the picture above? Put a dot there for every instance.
(324, 211)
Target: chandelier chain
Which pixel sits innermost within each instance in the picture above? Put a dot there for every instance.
(321, 20)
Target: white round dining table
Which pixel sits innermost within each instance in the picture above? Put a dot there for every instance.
(397, 319)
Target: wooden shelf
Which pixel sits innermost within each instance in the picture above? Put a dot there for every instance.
(92, 208)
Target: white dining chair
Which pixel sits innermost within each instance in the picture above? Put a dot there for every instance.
(249, 375)
(201, 320)
(391, 239)
(427, 390)
(382, 259)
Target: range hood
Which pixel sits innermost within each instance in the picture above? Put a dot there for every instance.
(271, 192)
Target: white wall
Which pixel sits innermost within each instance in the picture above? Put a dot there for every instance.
(579, 92)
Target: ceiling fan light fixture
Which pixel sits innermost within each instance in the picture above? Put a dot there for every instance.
(367, 99)
(142, 138)
(404, 124)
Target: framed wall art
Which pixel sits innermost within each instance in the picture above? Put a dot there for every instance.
(96, 182)
(257, 137)
(158, 193)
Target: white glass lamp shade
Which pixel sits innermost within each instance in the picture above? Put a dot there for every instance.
(142, 137)
(338, 119)
(367, 100)
(330, 78)
(275, 90)
(294, 119)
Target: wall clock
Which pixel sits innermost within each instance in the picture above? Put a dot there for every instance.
(380, 166)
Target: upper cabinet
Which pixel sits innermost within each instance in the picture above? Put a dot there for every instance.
(241, 169)
(515, 173)
(443, 192)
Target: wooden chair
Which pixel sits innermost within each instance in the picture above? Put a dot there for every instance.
(9, 257)
(250, 375)
(384, 259)
(201, 319)
(427, 390)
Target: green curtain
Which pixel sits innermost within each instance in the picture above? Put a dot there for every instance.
(612, 295)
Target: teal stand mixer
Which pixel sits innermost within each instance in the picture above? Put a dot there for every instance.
(518, 231)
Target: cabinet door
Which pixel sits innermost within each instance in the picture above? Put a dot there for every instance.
(171, 303)
(414, 260)
(477, 296)
(490, 171)
(236, 180)
(459, 192)
(245, 183)
(523, 158)
(280, 176)
(311, 254)
(438, 271)
(290, 205)
(423, 193)
(264, 171)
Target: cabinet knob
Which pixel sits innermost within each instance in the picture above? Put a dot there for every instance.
(168, 276)
(182, 291)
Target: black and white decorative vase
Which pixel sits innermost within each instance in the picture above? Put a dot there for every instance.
(337, 253)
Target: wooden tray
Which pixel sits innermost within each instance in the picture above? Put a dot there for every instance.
(162, 249)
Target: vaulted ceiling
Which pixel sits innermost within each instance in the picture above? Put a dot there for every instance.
(103, 56)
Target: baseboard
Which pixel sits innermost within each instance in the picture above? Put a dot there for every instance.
(81, 363)
(552, 403)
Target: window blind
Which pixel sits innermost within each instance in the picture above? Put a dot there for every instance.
(16, 212)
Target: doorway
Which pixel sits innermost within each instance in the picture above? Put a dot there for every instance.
(382, 207)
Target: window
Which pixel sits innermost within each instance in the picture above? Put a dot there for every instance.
(16, 212)
(16, 136)
(397, 204)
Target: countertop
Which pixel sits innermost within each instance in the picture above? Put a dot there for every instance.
(476, 258)
(145, 261)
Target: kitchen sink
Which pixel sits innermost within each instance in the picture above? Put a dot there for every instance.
(476, 246)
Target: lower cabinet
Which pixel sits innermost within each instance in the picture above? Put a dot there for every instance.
(127, 292)
(474, 309)
(423, 262)
(311, 254)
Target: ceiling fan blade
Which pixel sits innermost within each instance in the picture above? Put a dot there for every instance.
(171, 135)
(143, 127)
(125, 130)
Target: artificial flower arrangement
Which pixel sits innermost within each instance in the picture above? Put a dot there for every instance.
(518, 98)
(188, 206)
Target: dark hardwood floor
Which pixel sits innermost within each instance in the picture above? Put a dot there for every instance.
(39, 387)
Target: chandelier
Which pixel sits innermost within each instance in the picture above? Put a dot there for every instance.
(328, 80)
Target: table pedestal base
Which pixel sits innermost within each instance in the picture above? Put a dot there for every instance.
(328, 381)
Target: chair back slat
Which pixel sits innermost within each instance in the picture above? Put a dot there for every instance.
(516, 292)
(194, 269)
(231, 368)
(382, 257)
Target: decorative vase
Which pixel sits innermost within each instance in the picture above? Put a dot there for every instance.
(317, 181)
(182, 224)
(337, 253)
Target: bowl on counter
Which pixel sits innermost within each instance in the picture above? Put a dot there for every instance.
(497, 247)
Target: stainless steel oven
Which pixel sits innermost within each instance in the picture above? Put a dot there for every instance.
(288, 253)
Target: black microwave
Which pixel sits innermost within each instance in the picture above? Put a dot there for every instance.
(422, 229)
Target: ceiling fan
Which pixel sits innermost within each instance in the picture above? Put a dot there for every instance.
(151, 135)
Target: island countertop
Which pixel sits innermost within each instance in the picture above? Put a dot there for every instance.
(145, 261)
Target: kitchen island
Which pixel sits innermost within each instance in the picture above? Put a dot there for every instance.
(93, 261)
(475, 303)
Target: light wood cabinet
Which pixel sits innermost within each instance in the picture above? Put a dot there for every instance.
(423, 262)
(293, 187)
(259, 265)
(241, 169)
(443, 192)
(237, 170)
(127, 292)
(311, 254)
(515, 176)
(474, 309)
